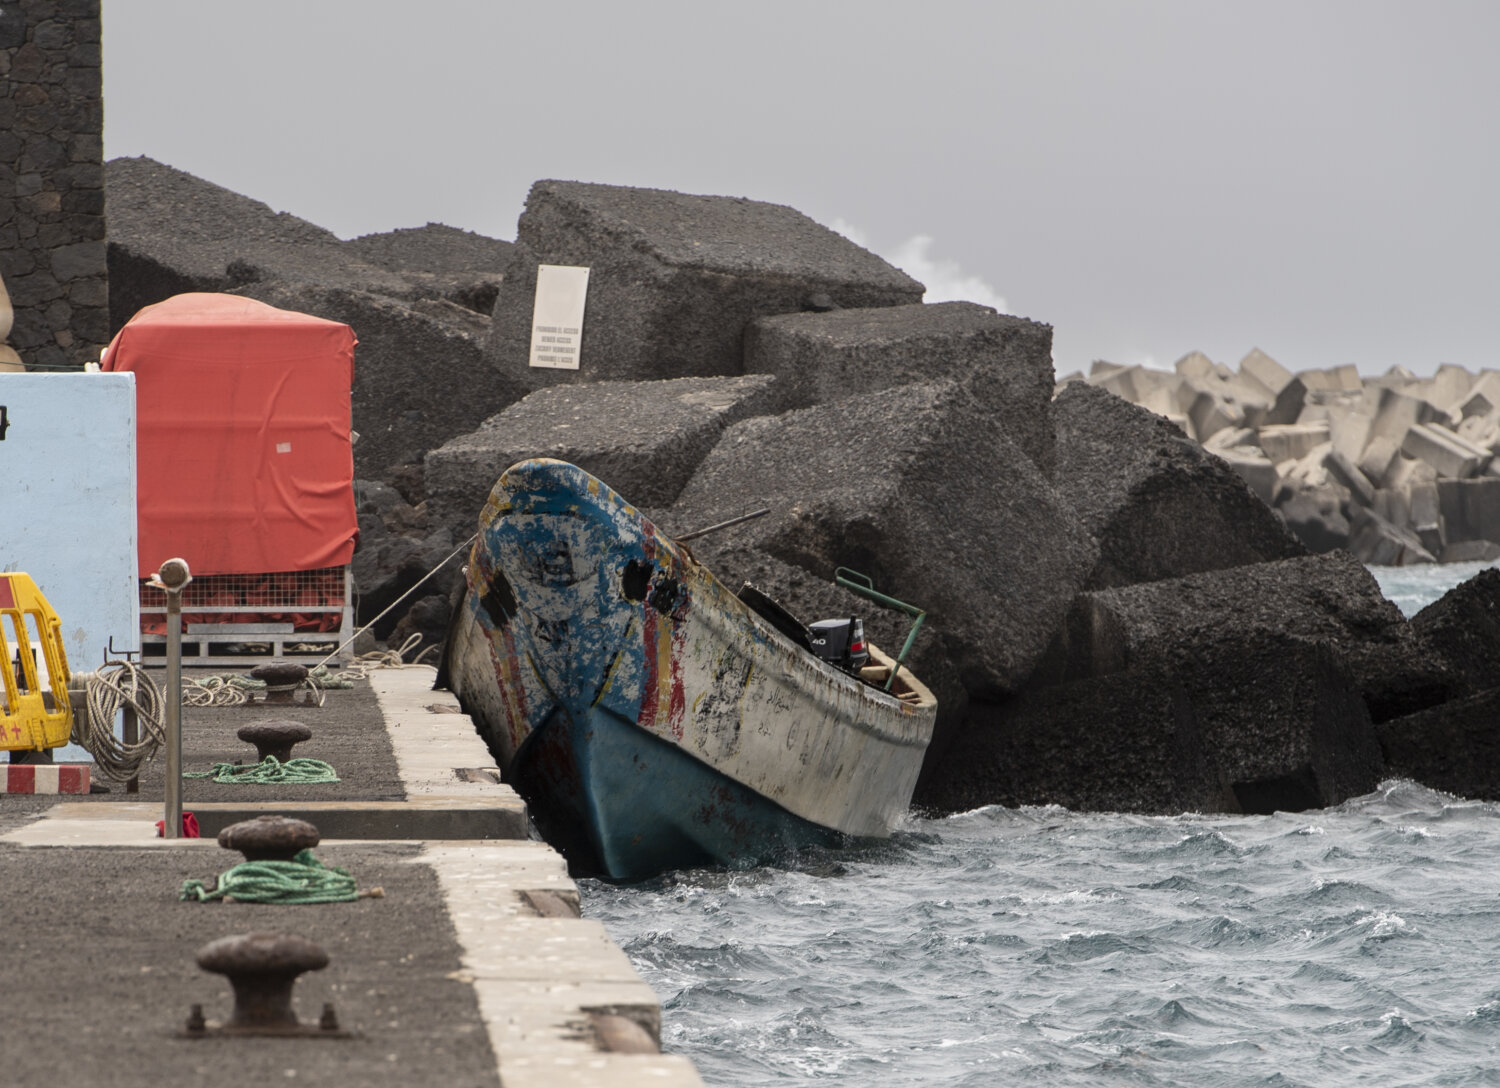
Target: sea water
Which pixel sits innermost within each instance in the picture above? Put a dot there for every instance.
(1354, 945)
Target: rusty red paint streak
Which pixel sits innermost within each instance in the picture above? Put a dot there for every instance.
(678, 702)
(649, 699)
(7, 598)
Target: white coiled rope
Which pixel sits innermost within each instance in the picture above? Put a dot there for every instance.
(116, 685)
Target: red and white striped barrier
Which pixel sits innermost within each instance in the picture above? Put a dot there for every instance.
(44, 778)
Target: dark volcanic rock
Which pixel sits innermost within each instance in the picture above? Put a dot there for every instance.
(171, 232)
(428, 617)
(444, 262)
(1329, 598)
(1255, 723)
(386, 566)
(1158, 504)
(914, 488)
(419, 376)
(1453, 747)
(1123, 743)
(674, 278)
(1004, 362)
(644, 439)
(1461, 630)
(1282, 717)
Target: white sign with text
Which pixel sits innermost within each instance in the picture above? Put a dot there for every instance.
(557, 315)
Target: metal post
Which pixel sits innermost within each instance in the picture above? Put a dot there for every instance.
(132, 738)
(173, 577)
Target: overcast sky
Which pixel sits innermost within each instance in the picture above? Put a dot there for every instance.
(1319, 179)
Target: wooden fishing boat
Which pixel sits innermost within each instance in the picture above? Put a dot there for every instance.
(650, 717)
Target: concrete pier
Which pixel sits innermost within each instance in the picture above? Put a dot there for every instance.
(472, 968)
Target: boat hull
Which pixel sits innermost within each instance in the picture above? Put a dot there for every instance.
(649, 718)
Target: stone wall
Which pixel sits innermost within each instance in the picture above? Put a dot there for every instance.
(52, 249)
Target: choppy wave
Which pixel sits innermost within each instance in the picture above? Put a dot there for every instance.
(1355, 945)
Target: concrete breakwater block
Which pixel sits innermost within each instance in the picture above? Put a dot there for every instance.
(914, 488)
(1330, 599)
(1122, 743)
(1159, 505)
(1453, 747)
(419, 373)
(644, 439)
(1005, 362)
(171, 232)
(1460, 631)
(1250, 723)
(457, 265)
(674, 278)
(1355, 466)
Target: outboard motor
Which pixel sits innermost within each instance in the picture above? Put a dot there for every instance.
(841, 643)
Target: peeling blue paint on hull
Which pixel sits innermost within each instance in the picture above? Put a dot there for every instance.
(628, 805)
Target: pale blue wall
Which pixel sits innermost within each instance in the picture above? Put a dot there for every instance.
(67, 506)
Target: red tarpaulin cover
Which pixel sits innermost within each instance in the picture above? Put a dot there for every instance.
(245, 463)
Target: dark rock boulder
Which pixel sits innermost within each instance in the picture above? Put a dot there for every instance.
(386, 566)
(1454, 747)
(441, 262)
(1331, 599)
(644, 439)
(1461, 632)
(1282, 716)
(1004, 362)
(674, 279)
(419, 373)
(915, 489)
(1157, 503)
(428, 617)
(1123, 743)
(1254, 723)
(171, 232)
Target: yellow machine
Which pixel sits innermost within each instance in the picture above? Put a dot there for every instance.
(34, 708)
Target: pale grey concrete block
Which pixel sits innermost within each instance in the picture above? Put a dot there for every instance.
(1374, 540)
(1346, 472)
(1449, 453)
(1292, 441)
(1331, 379)
(1285, 389)
(1470, 508)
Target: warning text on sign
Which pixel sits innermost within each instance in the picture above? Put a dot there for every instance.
(557, 316)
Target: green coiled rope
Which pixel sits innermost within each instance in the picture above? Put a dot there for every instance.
(271, 771)
(304, 879)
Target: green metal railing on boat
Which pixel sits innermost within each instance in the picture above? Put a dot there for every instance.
(862, 584)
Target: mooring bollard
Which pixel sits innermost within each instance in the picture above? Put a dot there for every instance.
(262, 968)
(274, 738)
(173, 578)
(282, 679)
(270, 838)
